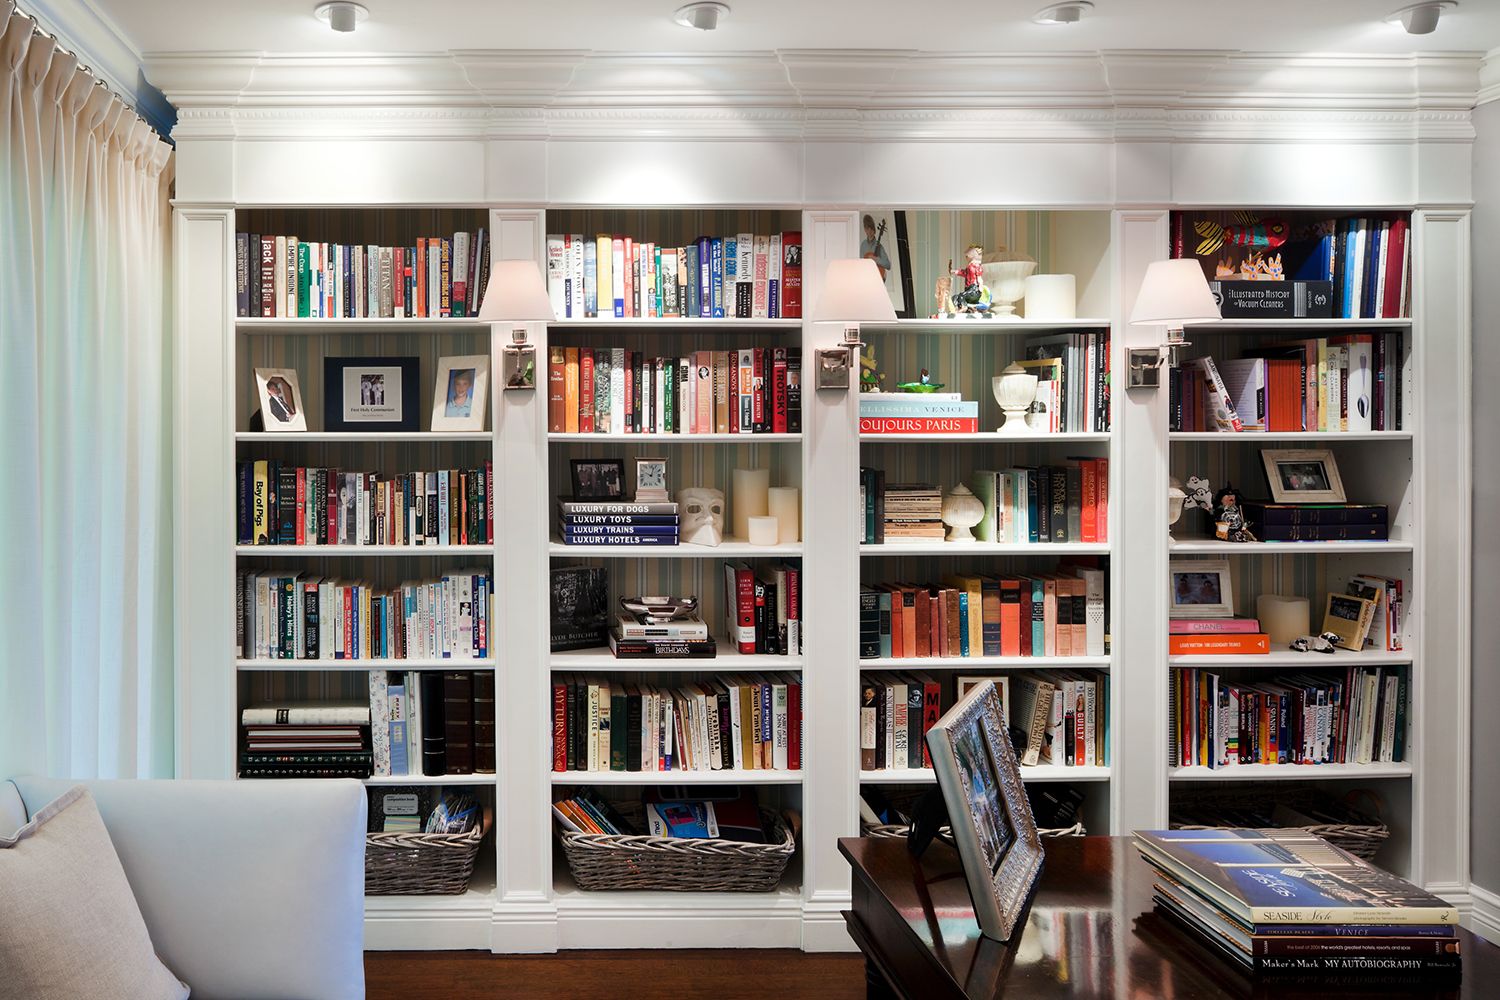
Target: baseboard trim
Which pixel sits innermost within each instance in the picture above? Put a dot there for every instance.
(1484, 913)
(823, 927)
(523, 927)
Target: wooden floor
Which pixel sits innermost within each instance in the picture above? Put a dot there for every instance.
(615, 975)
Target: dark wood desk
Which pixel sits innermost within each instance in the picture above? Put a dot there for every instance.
(1091, 932)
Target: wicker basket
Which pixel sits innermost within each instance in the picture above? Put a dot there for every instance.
(1340, 822)
(421, 864)
(601, 862)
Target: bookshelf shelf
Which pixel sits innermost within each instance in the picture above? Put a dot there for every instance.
(1286, 658)
(1037, 772)
(427, 779)
(986, 663)
(1212, 546)
(655, 324)
(997, 326)
(987, 437)
(362, 666)
(357, 437)
(729, 548)
(937, 548)
(675, 438)
(1289, 772)
(274, 326)
(1329, 437)
(735, 777)
(728, 661)
(374, 551)
(1306, 324)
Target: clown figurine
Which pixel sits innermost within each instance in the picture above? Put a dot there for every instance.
(975, 297)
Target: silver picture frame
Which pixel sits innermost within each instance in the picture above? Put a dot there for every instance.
(1303, 475)
(993, 828)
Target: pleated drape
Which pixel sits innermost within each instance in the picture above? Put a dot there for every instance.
(85, 422)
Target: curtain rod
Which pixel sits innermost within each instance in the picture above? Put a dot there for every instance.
(98, 80)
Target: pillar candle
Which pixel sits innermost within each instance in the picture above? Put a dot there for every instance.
(762, 531)
(1283, 617)
(748, 498)
(1051, 296)
(785, 507)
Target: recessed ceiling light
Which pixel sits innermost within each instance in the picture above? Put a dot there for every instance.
(703, 16)
(1068, 12)
(341, 15)
(1421, 18)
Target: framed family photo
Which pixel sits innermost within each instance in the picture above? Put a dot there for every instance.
(883, 239)
(1305, 475)
(993, 828)
(598, 478)
(460, 393)
(280, 400)
(370, 394)
(1201, 588)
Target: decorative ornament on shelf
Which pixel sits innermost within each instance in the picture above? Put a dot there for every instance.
(942, 293)
(974, 298)
(1175, 497)
(1314, 643)
(961, 511)
(660, 610)
(702, 517)
(924, 383)
(1051, 297)
(871, 378)
(1229, 519)
(1014, 389)
(1006, 277)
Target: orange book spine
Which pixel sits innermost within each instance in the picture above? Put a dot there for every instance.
(1010, 617)
(1219, 645)
(570, 390)
(586, 392)
(556, 390)
(898, 619)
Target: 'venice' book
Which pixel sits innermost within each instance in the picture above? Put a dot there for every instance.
(1288, 876)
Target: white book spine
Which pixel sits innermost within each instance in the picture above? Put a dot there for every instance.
(380, 734)
(1361, 376)
(736, 725)
(617, 389)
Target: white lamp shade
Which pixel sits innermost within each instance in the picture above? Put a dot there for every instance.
(1175, 292)
(516, 294)
(853, 293)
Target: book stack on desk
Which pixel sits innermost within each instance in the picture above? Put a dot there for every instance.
(1284, 901)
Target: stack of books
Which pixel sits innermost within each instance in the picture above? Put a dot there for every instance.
(912, 512)
(306, 741)
(616, 522)
(1284, 902)
(1217, 637)
(1319, 522)
(917, 413)
(634, 637)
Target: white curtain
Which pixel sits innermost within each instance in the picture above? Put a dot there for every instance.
(85, 456)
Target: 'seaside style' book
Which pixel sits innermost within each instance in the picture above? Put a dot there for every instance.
(1288, 876)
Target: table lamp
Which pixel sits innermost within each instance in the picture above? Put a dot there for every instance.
(1173, 294)
(852, 293)
(516, 294)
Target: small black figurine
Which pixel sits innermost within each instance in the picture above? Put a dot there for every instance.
(1229, 520)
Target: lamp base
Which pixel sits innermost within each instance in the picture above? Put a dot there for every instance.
(1015, 423)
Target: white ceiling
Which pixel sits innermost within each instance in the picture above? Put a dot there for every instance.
(646, 26)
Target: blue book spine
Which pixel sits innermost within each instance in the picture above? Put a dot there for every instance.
(705, 280)
(397, 692)
(620, 539)
(884, 603)
(1372, 267)
(1351, 228)
(590, 278)
(963, 623)
(765, 713)
(1039, 618)
(347, 266)
(352, 653)
(717, 277)
(1033, 509)
(580, 530)
(247, 529)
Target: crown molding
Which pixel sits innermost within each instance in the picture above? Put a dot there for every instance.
(89, 33)
(844, 95)
(1489, 77)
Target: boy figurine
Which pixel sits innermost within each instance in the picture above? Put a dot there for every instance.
(975, 297)
(1229, 520)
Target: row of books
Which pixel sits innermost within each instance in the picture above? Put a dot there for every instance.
(287, 615)
(284, 277)
(753, 390)
(607, 522)
(306, 741)
(763, 608)
(1048, 614)
(1328, 384)
(1353, 716)
(1279, 902)
(733, 722)
(432, 722)
(745, 276)
(284, 504)
(1073, 371)
(732, 814)
(1063, 716)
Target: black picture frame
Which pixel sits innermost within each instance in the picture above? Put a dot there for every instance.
(598, 478)
(336, 406)
(890, 226)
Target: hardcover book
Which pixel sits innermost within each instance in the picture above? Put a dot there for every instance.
(580, 607)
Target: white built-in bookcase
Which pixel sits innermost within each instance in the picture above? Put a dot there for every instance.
(1107, 177)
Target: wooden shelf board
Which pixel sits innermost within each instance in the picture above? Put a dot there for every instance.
(735, 777)
(315, 551)
(675, 438)
(937, 548)
(1288, 772)
(728, 661)
(352, 437)
(988, 437)
(361, 666)
(285, 325)
(1246, 437)
(985, 662)
(1289, 658)
(730, 548)
(1037, 772)
(1210, 546)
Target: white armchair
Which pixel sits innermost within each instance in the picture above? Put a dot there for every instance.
(252, 890)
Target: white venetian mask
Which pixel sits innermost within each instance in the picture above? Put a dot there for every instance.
(702, 515)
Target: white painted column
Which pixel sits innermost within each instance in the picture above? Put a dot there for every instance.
(830, 673)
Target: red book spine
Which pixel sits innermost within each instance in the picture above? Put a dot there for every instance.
(421, 276)
(744, 598)
(924, 622)
(585, 392)
(794, 608)
(758, 385)
(1219, 645)
(301, 505)
(1024, 623)
(918, 425)
(1010, 617)
(778, 392)
(331, 498)
(1088, 524)
(556, 390)
(398, 280)
(1390, 306)
(791, 275)
(1101, 499)
(898, 630)
(734, 392)
(932, 710)
(559, 727)
(1080, 726)
(794, 726)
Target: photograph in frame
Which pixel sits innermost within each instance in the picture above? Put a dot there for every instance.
(989, 812)
(460, 393)
(1200, 588)
(370, 394)
(1303, 475)
(883, 239)
(280, 396)
(598, 478)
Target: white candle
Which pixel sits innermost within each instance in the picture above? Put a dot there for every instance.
(1283, 617)
(1051, 296)
(748, 498)
(786, 508)
(762, 531)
